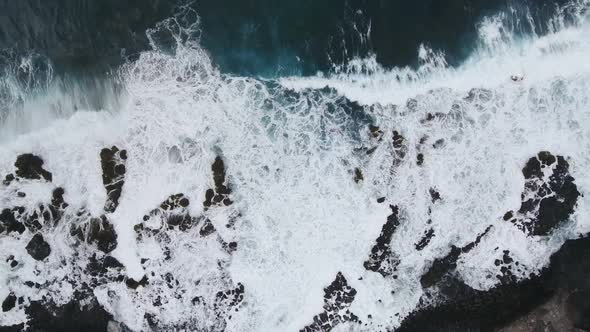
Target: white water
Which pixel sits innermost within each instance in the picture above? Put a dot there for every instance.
(290, 167)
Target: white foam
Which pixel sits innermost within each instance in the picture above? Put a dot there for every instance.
(290, 166)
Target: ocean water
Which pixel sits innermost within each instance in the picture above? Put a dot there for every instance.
(291, 145)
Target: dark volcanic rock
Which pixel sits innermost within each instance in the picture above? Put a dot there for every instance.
(97, 231)
(229, 299)
(399, 147)
(434, 195)
(546, 200)
(428, 235)
(9, 223)
(133, 284)
(100, 266)
(376, 132)
(338, 297)
(219, 195)
(174, 213)
(9, 302)
(381, 259)
(38, 248)
(29, 166)
(113, 163)
(420, 159)
(442, 266)
(207, 228)
(83, 313)
(103, 234)
(358, 175)
(512, 307)
(8, 179)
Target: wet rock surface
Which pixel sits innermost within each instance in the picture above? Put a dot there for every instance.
(96, 231)
(29, 166)
(172, 213)
(425, 240)
(442, 266)
(549, 195)
(91, 267)
(553, 299)
(220, 194)
(381, 259)
(38, 248)
(113, 162)
(84, 313)
(9, 302)
(338, 297)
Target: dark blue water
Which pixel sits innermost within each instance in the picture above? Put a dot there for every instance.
(252, 37)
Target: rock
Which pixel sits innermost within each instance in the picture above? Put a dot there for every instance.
(112, 162)
(97, 231)
(338, 297)
(174, 212)
(133, 284)
(358, 175)
(8, 179)
(441, 266)
(516, 306)
(29, 166)
(376, 132)
(103, 234)
(207, 228)
(578, 309)
(428, 235)
(9, 302)
(434, 195)
(399, 147)
(420, 159)
(98, 267)
(381, 259)
(38, 248)
(227, 300)
(221, 192)
(83, 313)
(546, 201)
(9, 222)
(439, 143)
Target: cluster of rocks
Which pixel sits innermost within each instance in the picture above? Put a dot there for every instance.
(18, 219)
(338, 297)
(381, 259)
(552, 300)
(91, 265)
(549, 195)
